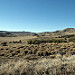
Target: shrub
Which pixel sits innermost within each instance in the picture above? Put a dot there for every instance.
(43, 53)
(2, 49)
(34, 51)
(2, 54)
(13, 54)
(16, 41)
(20, 47)
(4, 44)
(19, 41)
(26, 52)
(39, 53)
(46, 41)
(72, 40)
(29, 42)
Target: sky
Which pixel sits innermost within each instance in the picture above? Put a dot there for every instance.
(36, 15)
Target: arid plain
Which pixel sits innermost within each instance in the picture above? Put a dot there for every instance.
(40, 54)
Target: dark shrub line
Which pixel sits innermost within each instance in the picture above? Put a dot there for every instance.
(46, 41)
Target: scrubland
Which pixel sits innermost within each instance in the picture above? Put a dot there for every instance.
(43, 49)
(28, 56)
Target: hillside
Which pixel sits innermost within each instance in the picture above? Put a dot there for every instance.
(6, 34)
(12, 34)
(67, 31)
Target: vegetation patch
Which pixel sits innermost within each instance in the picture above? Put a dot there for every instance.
(72, 40)
(46, 41)
(4, 44)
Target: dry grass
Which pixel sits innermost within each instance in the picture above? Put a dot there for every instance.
(42, 66)
(47, 49)
(9, 39)
(29, 59)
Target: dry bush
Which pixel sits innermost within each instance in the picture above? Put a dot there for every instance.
(15, 53)
(40, 53)
(16, 41)
(20, 47)
(43, 49)
(34, 51)
(2, 49)
(4, 44)
(43, 53)
(2, 54)
(11, 51)
(47, 53)
(25, 52)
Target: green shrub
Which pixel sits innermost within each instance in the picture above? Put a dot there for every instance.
(46, 41)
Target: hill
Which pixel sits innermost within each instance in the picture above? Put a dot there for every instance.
(14, 34)
(59, 33)
(68, 32)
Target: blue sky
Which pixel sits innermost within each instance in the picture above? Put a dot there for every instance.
(36, 15)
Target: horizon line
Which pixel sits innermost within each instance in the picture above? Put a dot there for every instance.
(32, 31)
